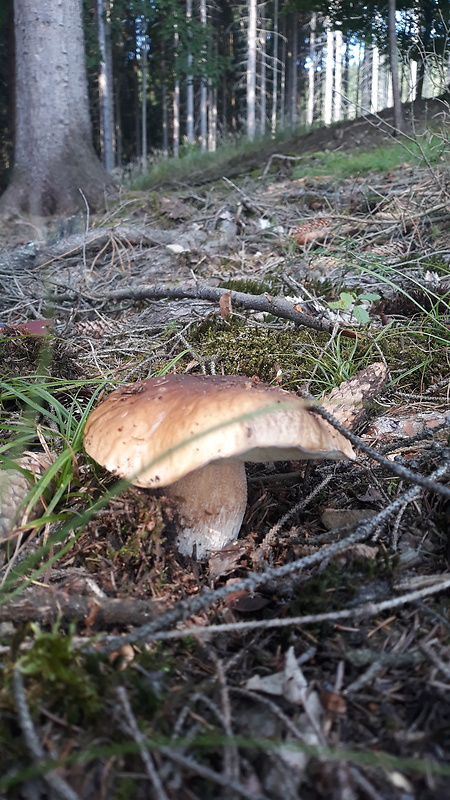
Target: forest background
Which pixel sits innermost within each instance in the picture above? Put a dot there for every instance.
(311, 657)
(171, 76)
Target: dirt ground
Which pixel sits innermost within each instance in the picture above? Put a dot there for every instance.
(311, 657)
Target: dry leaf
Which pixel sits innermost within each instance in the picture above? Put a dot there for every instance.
(332, 702)
(225, 305)
(333, 518)
(246, 602)
(226, 560)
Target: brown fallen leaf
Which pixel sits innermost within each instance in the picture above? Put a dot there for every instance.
(332, 702)
(227, 560)
(225, 305)
(339, 517)
(246, 602)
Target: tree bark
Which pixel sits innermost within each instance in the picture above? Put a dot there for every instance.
(329, 68)
(273, 122)
(375, 79)
(203, 87)
(190, 138)
(105, 85)
(311, 68)
(393, 58)
(293, 84)
(176, 96)
(337, 105)
(251, 69)
(263, 79)
(54, 159)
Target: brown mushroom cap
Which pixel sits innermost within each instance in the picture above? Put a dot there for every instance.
(192, 433)
(183, 422)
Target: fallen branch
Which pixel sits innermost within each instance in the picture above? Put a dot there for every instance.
(277, 306)
(47, 605)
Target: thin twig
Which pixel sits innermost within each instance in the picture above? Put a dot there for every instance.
(187, 608)
(358, 612)
(150, 769)
(397, 469)
(277, 306)
(54, 781)
(211, 775)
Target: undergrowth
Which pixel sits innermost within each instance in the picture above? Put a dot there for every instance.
(430, 149)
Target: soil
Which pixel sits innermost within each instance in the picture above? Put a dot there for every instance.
(309, 658)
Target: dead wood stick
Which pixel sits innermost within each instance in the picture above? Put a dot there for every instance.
(278, 306)
(47, 605)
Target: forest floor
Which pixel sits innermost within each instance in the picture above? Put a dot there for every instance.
(311, 658)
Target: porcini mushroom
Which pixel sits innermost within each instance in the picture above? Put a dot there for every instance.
(192, 434)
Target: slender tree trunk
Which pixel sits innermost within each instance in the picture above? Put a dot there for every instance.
(164, 120)
(294, 74)
(345, 79)
(328, 100)
(365, 79)
(204, 87)
(251, 70)
(176, 97)
(393, 58)
(189, 86)
(54, 157)
(263, 82)
(283, 76)
(359, 72)
(118, 127)
(273, 122)
(105, 83)
(412, 80)
(212, 119)
(375, 79)
(337, 106)
(311, 68)
(144, 103)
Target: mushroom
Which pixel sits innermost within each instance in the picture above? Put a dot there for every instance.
(192, 434)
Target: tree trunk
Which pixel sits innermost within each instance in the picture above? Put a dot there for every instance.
(283, 74)
(393, 58)
(329, 69)
(273, 122)
(105, 85)
(54, 158)
(176, 96)
(366, 79)
(251, 69)
(263, 82)
(311, 68)
(212, 119)
(345, 78)
(190, 138)
(144, 103)
(375, 79)
(337, 107)
(203, 87)
(294, 74)
(164, 115)
(412, 81)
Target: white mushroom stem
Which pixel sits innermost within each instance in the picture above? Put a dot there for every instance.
(210, 503)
